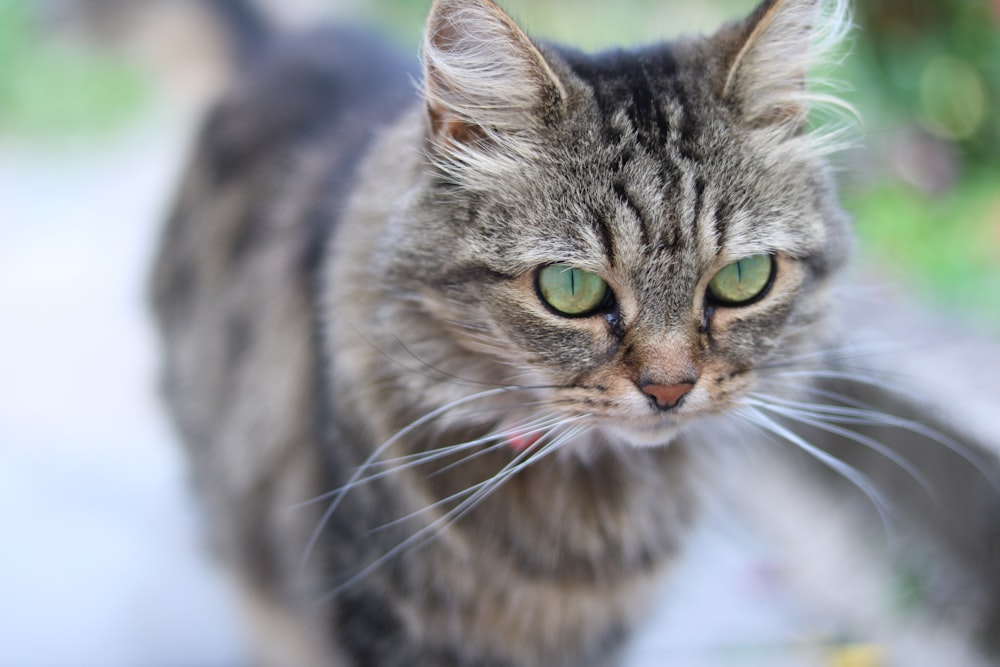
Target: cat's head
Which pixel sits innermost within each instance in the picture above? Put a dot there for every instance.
(635, 234)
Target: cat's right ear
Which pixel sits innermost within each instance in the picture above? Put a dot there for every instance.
(771, 54)
(485, 84)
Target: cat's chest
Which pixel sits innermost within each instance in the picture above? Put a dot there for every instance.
(496, 612)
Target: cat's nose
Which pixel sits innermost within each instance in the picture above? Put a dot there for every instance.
(667, 395)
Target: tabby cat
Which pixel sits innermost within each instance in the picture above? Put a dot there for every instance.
(445, 361)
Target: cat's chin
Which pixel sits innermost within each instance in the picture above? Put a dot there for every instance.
(644, 434)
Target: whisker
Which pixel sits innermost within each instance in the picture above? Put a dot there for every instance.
(483, 489)
(540, 450)
(752, 415)
(338, 495)
(534, 449)
(469, 490)
(399, 464)
(371, 461)
(442, 452)
(845, 414)
(809, 419)
(545, 425)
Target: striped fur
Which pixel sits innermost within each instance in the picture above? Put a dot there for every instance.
(352, 342)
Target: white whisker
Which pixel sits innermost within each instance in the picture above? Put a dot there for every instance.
(475, 493)
(752, 415)
(514, 465)
(545, 425)
(338, 496)
(844, 414)
(817, 421)
(538, 451)
(410, 460)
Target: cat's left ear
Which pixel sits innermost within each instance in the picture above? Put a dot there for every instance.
(770, 54)
(484, 80)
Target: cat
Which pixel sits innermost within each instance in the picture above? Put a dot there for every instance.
(446, 361)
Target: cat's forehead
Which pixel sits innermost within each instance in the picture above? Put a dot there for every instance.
(655, 96)
(666, 172)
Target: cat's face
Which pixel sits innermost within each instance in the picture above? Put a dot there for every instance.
(639, 244)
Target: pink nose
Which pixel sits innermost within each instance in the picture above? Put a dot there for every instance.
(667, 395)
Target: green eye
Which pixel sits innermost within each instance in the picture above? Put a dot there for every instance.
(571, 291)
(743, 281)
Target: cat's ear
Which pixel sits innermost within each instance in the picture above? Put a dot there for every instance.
(770, 56)
(483, 77)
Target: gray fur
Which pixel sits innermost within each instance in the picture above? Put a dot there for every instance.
(315, 305)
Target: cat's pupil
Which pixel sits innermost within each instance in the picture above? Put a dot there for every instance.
(571, 291)
(742, 282)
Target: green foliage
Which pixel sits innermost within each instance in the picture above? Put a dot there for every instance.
(921, 70)
(934, 63)
(947, 247)
(57, 89)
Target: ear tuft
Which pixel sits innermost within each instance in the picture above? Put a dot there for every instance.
(767, 78)
(482, 74)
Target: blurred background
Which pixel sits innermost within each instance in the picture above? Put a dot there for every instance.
(100, 561)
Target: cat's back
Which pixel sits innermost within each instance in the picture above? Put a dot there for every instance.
(271, 168)
(233, 286)
(327, 89)
(277, 154)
